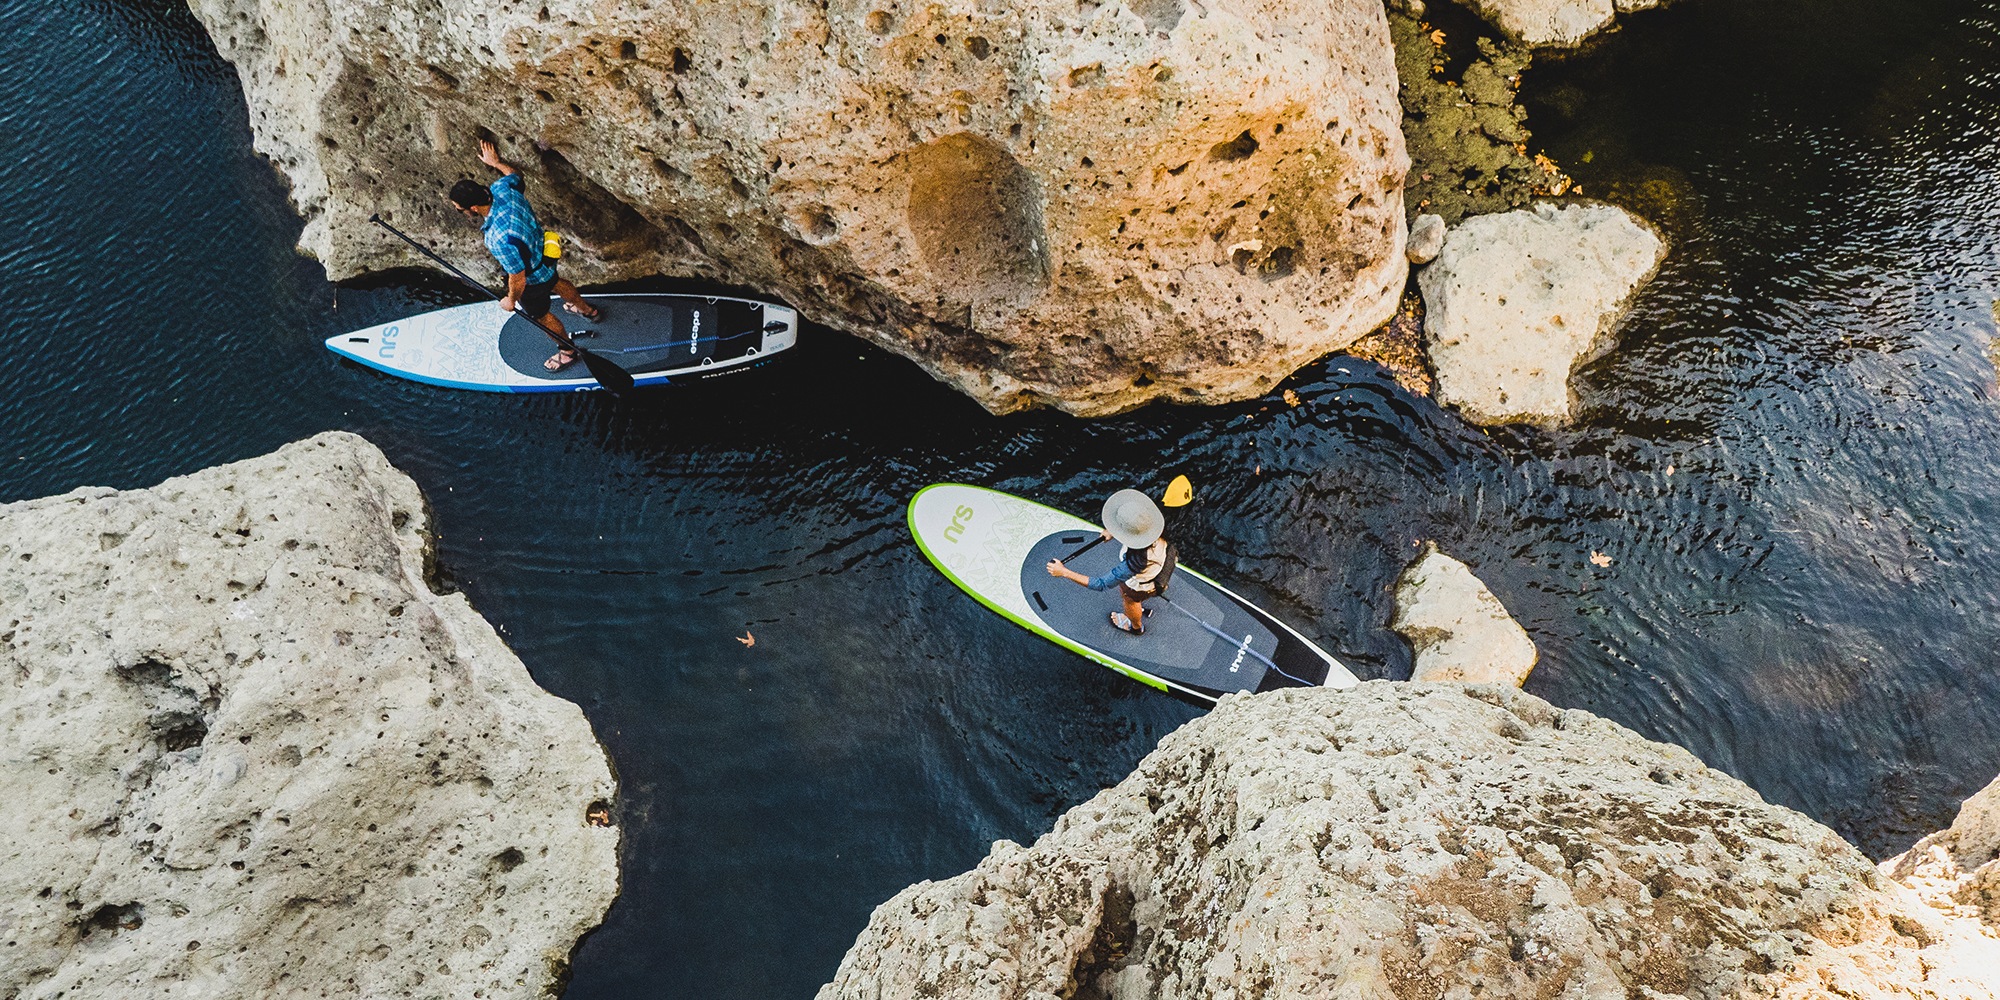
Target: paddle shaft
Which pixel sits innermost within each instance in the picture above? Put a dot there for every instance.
(619, 379)
(1241, 644)
(1095, 542)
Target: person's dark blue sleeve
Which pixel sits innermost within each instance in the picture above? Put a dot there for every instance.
(1118, 574)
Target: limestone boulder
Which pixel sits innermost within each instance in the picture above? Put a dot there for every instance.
(1518, 300)
(248, 751)
(1561, 24)
(1082, 204)
(1411, 840)
(1458, 630)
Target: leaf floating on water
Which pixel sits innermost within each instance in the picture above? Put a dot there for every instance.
(1291, 398)
(747, 639)
(1670, 470)
(1599, 559)
(1437, 36)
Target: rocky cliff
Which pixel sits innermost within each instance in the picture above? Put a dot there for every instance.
(1417, 841)
(1084, 204)
(249, 752)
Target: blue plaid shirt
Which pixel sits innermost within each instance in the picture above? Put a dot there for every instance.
(513, 236)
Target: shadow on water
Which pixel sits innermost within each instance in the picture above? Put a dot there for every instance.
(1789, 464)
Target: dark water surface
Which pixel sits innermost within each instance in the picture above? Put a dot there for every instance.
(1792, 464)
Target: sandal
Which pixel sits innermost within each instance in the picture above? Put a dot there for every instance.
(595, 314)
(1124, 624)
(560, 360)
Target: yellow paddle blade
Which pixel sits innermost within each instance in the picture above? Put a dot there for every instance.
(1180, 493)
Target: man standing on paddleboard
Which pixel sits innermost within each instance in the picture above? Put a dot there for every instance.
(1142, 572)
(515, 240)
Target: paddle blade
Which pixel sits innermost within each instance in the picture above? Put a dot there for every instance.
(1180, 493)
(610, 376)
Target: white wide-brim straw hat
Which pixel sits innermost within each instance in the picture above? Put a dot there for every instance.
(1133, 518)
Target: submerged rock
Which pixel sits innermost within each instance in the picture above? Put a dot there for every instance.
(1397, 841)
(1087, 205)
(249, 752)
(1458, 630)
(1555, 23)
(1517, 301)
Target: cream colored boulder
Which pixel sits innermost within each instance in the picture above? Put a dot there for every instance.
(1458, 630)
(1393, 841)
(1517, 301)
(1087, 204)
(1556, 23)
(248, 751)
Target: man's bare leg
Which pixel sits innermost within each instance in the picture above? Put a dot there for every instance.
(574, 299)
(554, 328)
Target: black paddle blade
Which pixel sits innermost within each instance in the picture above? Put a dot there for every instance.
(608, 375)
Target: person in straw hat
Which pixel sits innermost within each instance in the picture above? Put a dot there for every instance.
(1135, 521)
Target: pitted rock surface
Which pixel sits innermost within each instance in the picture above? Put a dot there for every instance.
(1080, 204)
(1516, 302)
(248, 752)
(1402, 841)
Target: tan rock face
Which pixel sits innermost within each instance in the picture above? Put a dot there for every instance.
(1517, 301)
(1088, 205)
(1402, 841)
(247, 752)
(1458, 630)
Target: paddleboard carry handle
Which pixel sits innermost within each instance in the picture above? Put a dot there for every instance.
(608, 375)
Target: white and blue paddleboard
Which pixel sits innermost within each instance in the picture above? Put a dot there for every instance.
(1202, 641)
(660, 339)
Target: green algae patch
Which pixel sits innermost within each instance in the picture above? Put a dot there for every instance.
(1466, 132)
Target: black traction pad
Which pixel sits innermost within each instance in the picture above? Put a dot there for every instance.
(1174, 647)
(641, 334)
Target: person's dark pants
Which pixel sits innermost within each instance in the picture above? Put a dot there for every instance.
(534, 300)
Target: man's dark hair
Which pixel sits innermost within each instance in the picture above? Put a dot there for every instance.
(470, 194)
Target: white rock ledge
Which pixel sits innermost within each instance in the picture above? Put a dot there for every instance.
(247, 752)
(1561, 24)
(1458, 630)
(1518, 300)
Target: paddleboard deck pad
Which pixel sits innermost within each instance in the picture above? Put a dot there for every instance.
(660, 339)
(1206, 643)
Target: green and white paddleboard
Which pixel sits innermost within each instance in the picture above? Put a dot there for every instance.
(1201, 642)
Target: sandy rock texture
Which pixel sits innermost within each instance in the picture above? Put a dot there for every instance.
(249, 752)
(1459, 631)
(1403, 841)
(1555, 23)
(1517, 301)
(1082, 204)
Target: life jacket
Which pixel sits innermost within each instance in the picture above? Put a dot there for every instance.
(551, 249)
(1154, 583)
